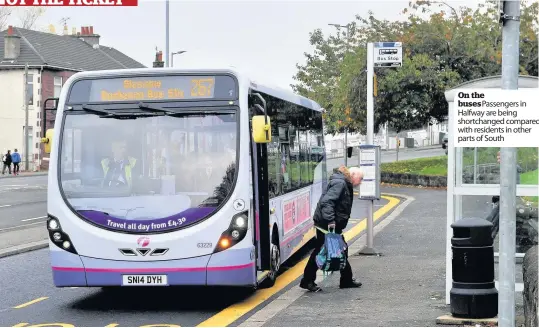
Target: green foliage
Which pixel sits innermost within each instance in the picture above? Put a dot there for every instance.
(443, 46)
(437, 166)
(433, 166)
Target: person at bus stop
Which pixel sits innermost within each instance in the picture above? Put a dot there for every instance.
(118, 169)
(333, 210)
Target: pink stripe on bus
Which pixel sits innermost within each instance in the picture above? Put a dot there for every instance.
(149, 270)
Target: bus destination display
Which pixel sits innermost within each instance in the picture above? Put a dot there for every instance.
(154, 88)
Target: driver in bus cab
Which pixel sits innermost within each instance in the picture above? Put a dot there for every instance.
(118, 169)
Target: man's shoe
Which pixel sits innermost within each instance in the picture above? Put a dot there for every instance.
(310, 286)
(350, 284)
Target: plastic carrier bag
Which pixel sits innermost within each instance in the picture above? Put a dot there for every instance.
(332, 255)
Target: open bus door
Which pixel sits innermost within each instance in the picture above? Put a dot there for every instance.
(261, 134)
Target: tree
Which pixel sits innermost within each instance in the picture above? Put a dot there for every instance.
(442, 47)
(413, 94)
(5, 12)
(28, 16)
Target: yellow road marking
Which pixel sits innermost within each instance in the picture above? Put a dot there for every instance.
(30, 303)
(234, 312)
(112, 325)
(22, 324)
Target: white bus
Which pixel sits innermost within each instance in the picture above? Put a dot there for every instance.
(179, 177)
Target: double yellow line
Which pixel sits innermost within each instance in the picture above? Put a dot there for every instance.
(236, 311)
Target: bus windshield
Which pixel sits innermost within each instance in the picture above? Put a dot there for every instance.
(150, 173)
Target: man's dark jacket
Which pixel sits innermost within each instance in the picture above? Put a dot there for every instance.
(335, 204)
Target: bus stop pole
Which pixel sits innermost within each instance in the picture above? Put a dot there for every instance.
(370, 141)
(510, 69)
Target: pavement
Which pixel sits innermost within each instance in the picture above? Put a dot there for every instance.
(31, 299)
(404, 286)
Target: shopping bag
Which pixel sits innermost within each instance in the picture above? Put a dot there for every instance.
(332, 255)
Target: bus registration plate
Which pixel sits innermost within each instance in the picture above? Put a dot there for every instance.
(145, 280)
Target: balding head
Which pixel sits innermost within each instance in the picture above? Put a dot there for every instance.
(357, 175)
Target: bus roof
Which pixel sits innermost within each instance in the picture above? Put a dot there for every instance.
(272, 91)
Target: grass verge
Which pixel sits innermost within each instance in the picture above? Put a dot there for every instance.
(432, 166)
(437, 166)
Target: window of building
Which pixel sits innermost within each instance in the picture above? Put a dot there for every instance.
(29, 141)
(30, 89)
(57, 86)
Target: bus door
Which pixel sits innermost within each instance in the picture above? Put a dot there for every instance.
(259, 169)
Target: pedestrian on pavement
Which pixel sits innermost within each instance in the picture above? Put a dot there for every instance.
(333, 210)
(16, 159)
(6, 159)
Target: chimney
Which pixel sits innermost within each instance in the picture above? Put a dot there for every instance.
(158, 60)
(87, 35)
(12, 44)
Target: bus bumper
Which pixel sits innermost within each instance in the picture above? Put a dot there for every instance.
(233, 267)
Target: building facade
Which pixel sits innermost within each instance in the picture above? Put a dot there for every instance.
(34, 66)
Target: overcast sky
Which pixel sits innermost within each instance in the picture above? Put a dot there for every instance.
(263, 38)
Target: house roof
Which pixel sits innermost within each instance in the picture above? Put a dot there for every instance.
(65, 52)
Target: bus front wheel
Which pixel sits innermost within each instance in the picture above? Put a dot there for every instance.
(275, 264)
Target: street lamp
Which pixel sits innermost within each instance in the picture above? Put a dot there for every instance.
(172, 56)
(167, 64)
(345, 26)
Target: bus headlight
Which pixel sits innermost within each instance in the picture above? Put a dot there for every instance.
(240, 222)
(235, 232)
(53, 224)
(58, 236)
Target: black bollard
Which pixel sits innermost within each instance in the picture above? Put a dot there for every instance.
(474, 294)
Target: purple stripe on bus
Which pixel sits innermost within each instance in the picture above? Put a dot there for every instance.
(69, 278)
(61, 258)
(186, 217)
(241, 277)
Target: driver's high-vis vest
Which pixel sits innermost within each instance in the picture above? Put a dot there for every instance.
(127, 169)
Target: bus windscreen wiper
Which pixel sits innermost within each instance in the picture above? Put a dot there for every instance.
(103, 113)
(154, 109)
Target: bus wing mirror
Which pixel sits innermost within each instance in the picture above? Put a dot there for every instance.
(47, 140)
(350, 150)
(261, 129)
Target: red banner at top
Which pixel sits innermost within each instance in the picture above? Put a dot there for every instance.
(69, 3)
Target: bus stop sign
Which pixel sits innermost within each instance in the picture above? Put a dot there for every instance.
(387, 54)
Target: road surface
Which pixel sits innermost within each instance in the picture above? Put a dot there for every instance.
(22, 201)
(390, 156)
(30, 298)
